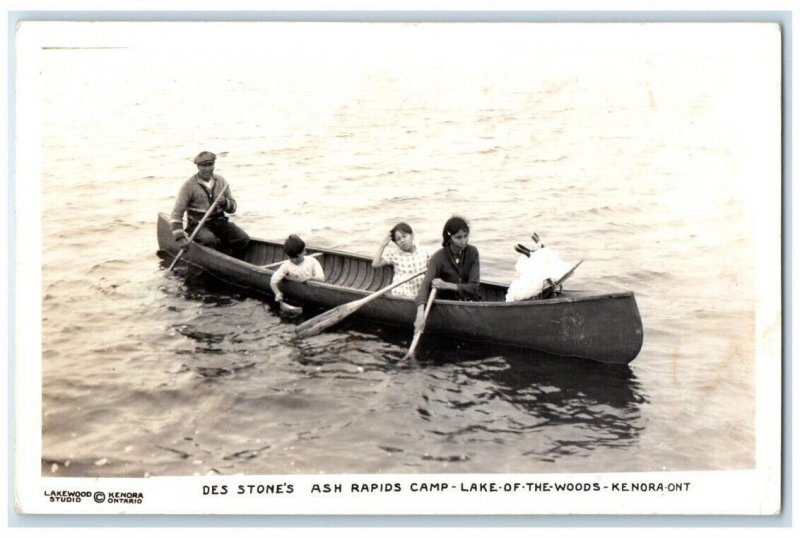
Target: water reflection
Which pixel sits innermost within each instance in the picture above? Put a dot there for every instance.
(575, 406)
(218, 337)
(564, 406)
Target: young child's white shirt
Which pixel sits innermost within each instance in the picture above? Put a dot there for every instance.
(309, 268)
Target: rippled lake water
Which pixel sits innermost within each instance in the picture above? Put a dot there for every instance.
(631, 158)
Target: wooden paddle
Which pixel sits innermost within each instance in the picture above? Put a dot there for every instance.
(199, 225)
(418, 334)
(331, 317)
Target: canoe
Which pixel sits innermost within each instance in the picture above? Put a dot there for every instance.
(604, 327)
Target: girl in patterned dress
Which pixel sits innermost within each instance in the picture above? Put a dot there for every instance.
(406, 256)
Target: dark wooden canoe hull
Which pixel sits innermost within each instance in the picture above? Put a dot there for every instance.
(601, 327)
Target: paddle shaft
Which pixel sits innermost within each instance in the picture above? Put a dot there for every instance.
(364, 300)
(331, 317)
(568, 273)
(560, 280)
(418, 334)
(197, 229)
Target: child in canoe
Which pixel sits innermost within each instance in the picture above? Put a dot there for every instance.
(298, 265)
(408, 258)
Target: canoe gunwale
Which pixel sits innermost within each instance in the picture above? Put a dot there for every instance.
(363, 293)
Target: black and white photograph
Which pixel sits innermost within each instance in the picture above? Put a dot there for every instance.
(354, 267)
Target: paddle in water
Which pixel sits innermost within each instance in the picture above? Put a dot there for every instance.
(418, 333)
(197, 229)
(331, 317)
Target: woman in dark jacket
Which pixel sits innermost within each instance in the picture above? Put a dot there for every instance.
(454, 270)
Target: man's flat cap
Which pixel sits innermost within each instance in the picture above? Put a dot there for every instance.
(205, 157)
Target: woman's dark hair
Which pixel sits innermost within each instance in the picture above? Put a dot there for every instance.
(293, 246)
(452, 227)
(400, 227)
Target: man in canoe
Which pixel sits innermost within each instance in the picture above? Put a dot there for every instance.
(196, 196)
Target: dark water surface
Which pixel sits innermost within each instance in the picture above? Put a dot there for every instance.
(149, 373)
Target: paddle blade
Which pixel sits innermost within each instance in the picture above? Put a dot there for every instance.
(291, 310)
(326, 319)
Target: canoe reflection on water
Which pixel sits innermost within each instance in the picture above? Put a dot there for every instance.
(590, 407)
(605, 400)
(612, 385)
